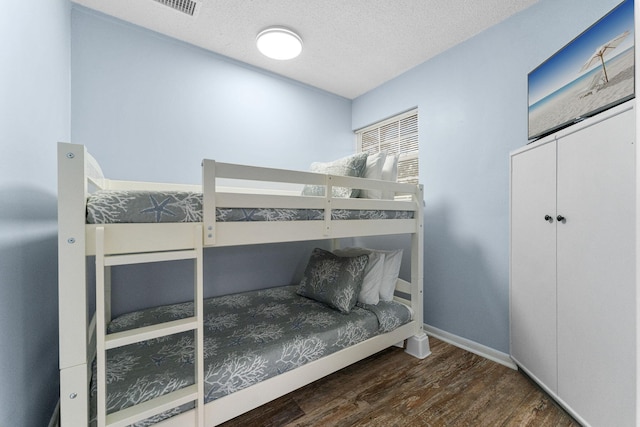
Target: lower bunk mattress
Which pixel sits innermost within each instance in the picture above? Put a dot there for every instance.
(249, 337)
(109, 207)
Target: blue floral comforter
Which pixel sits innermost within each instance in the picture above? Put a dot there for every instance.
(107, 207)
(249, 337)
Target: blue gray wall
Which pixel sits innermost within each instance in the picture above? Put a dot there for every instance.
(34, 115)
(472, 102)
(149, 107)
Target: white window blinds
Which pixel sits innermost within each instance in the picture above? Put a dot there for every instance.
(397, 135)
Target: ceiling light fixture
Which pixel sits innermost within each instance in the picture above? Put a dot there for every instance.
(279, 43)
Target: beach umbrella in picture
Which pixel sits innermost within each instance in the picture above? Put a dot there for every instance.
(604, 50)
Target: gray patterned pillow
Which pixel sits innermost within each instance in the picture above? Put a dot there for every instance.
(353, 165)
(333, 280)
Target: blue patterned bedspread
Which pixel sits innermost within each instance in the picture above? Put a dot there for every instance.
(249, 337)
(107, 207)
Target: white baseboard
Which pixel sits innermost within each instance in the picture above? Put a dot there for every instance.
(471, 346)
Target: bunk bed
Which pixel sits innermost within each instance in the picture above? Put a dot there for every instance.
(216, 216)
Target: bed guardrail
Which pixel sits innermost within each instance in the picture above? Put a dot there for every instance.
(213, 171)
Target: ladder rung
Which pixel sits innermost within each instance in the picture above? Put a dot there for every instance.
(133, 336)
(152, 407)
(149, 257)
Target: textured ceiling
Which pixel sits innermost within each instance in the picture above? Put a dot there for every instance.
(350, 46)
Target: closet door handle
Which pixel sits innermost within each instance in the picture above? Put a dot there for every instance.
(560, 218)
(548, 218)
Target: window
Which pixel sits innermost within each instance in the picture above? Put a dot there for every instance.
(397, 135)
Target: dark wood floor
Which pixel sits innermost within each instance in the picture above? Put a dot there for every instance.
(452, 387)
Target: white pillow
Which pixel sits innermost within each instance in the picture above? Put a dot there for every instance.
(373, 273)
(390, 173)
(373, 170)
(390, 273)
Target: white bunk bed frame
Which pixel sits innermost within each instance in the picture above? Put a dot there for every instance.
(83, 337)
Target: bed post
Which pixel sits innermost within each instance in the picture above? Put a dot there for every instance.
(418, 345)
(72, 287)
(209, 202)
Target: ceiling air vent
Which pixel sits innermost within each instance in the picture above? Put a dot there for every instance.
(184, 6)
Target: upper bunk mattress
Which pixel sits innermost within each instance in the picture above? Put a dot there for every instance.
(248, 337)
(110, 207)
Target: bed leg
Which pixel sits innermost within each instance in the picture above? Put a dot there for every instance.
(418, 345)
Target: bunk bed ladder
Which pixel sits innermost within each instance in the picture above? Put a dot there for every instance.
(105, 341)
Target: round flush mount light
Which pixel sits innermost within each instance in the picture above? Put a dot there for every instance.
(279, 43)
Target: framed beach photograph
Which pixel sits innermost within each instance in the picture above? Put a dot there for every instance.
(591, 74)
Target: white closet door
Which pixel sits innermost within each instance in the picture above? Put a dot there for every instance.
(533, 262)
(596, 286)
